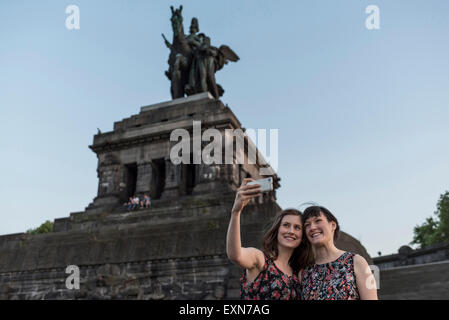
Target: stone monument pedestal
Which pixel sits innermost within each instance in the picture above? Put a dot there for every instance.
(176, 249)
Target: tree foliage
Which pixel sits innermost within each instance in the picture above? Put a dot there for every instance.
(46, 227)
(435, 229)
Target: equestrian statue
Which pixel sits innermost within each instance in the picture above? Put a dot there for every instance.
(193, 61)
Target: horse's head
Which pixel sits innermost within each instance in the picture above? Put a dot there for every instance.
(176, 20)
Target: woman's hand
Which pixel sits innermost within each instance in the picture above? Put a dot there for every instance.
(244, 194)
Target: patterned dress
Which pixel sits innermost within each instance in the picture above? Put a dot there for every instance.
(330, 281)
(270, 284)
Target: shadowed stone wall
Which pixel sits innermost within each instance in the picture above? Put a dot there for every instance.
(415, 274)
(415, 282)
(148, 254)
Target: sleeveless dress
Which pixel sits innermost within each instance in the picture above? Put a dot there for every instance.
(270, 284)
(330, 281)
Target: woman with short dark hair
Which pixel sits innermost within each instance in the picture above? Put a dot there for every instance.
(336, 274)
(271, 273)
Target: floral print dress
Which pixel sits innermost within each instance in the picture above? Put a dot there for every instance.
(270, 284)
(330, 281)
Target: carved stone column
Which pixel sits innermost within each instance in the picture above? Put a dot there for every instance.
(109, 175)
(172, 180)
(108, 180)
(144, 177)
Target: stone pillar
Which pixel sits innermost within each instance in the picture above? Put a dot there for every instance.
(109, 171)
(172, 180)
(108, 180)
(144, 176)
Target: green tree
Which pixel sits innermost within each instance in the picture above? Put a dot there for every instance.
(434, 230)
(46, 227)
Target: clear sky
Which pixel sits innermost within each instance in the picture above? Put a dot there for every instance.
(362, 114)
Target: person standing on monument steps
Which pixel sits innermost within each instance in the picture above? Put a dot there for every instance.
(270, 273)
(336, 274)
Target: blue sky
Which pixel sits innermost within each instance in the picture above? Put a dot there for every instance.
(362, 115)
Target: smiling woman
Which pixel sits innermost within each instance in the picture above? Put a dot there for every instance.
(336, 274)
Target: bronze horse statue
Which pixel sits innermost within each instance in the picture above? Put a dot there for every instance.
(193, 61)
(180, 56)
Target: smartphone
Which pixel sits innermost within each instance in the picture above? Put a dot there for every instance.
(265, 184)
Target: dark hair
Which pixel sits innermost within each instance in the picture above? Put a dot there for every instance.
(315, 211)
(301, 257)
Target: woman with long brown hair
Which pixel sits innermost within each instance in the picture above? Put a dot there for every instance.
(271, 273)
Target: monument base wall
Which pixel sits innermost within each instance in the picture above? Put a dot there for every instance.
(415, 282)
